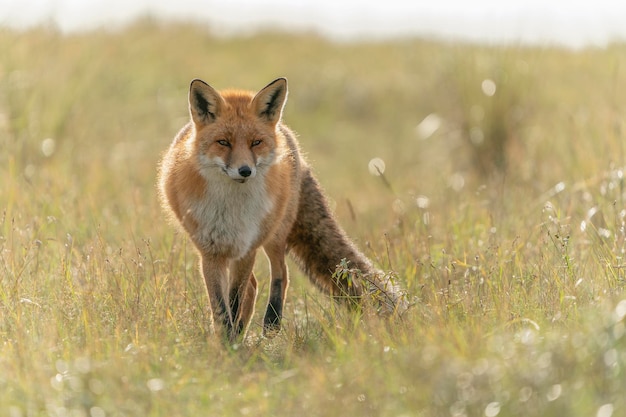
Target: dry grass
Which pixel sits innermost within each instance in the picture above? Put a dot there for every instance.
(512, 247)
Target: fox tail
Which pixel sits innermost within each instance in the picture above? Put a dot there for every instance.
(326, 254)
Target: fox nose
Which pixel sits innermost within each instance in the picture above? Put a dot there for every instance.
(245, 171)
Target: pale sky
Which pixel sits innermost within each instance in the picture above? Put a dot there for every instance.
(574, 23)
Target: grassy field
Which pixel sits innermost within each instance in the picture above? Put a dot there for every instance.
(502, 210)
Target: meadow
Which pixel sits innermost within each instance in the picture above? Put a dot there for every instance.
(501, 209)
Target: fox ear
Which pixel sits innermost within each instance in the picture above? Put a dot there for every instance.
(205, 103)
(270, 101)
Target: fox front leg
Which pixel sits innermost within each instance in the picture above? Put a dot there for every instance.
(243, 288)
(278, 288)
(215, 273)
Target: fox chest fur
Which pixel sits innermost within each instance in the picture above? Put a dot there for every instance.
(227, 219)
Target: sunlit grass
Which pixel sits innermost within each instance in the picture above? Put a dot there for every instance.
(515, 270)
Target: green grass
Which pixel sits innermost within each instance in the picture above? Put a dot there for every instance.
(506, 225)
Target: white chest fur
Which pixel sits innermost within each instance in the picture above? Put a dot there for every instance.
(230, 215)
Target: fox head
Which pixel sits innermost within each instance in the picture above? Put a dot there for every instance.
(235, 131)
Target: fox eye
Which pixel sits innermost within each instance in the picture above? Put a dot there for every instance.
(224, 142)
(256, 142)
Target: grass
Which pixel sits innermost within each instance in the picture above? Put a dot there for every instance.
(504, 220)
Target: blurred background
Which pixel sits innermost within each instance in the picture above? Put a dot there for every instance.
(576, 23)
(475, 149)
(442, 97)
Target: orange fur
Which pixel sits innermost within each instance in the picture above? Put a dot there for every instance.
(234, 179)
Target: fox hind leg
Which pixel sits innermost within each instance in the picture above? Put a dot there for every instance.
(246, 309)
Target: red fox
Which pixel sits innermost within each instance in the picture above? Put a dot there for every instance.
(235, 180)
